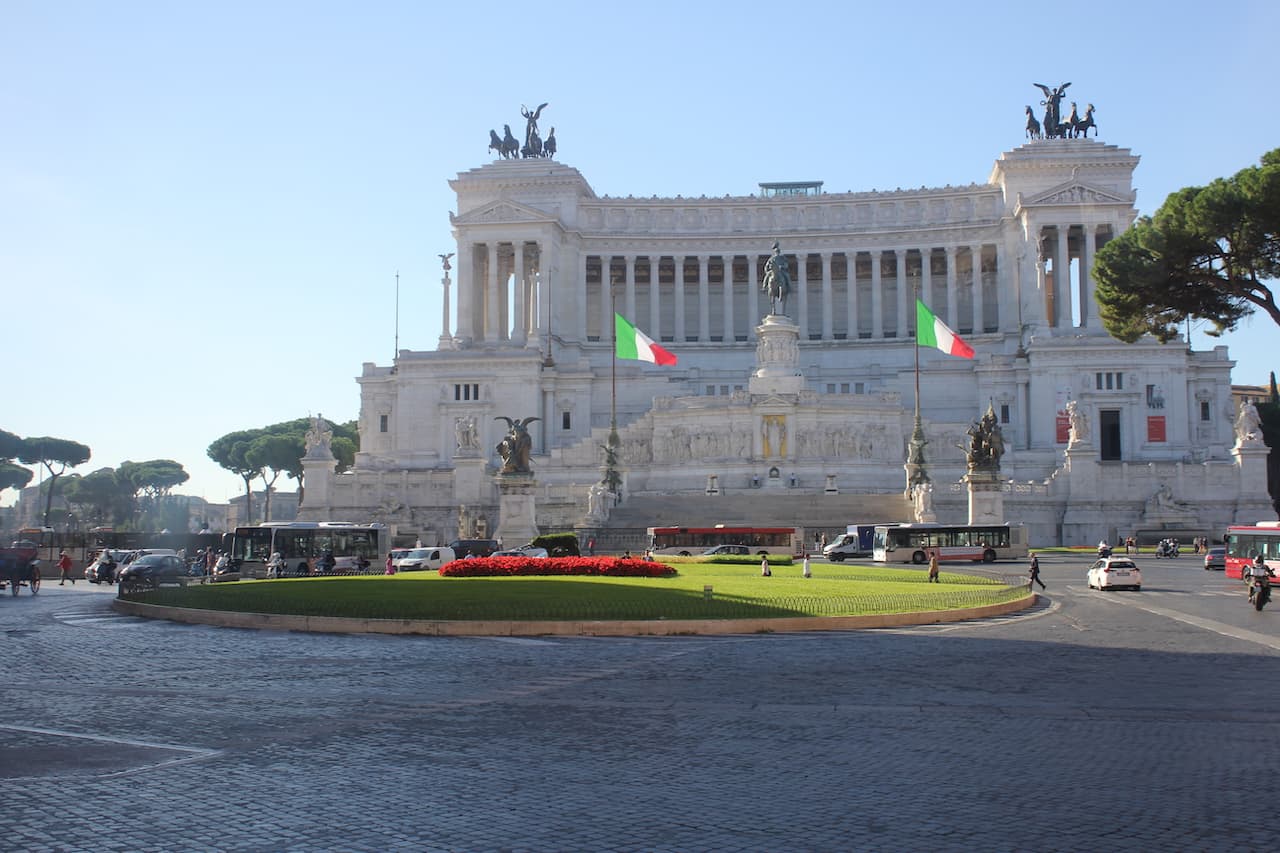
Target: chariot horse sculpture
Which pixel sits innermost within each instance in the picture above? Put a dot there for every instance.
(1033, 126)
(1080, 127)
(777, 281)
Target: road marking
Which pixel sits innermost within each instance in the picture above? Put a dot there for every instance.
(1207, 624)
(191, 753)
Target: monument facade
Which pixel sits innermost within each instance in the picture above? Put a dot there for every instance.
(792, 316)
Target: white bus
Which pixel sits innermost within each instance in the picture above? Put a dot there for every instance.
(300, 544)
(916, 543)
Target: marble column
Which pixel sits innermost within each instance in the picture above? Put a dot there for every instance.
(827, 333)
(678, 260)
(951, 289)
(727, 262)
(630, 301)
(926, 278)
(520, 320)
(753, 298)
(446, 334)
(1088, 309)
(900, 329)
(607, 307)
(802, 290)
(655, 306)
(851, 282)
(1062, 277)
(492, 297)
(704, 299)
(466, 328)
(975, 256)
(877, 296)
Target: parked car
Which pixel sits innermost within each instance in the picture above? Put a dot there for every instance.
(522, 551)
(474, 547)
(732, 550)
(152, 570)
(1215, 558)
(419, 559)
(1115, 573)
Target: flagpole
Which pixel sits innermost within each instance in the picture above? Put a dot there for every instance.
(916, 473)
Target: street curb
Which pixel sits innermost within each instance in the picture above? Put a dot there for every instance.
(650, 628)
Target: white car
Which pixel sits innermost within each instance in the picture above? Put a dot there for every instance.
(429, 559)
(1115, 573)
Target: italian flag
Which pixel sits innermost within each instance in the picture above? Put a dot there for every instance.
(932, 332)
(635, 344)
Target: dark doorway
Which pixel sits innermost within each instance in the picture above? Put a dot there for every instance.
(1109, 434)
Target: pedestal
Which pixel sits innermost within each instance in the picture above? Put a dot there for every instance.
(1254, 503)
(986, 497)
(777, 358)
(317, 475)
(517, 523)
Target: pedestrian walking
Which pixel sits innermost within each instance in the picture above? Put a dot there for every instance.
(64, 567)
(764, 567)
(1035, 571)
(806, 573)
(591, 547)
(933, 568)
(391, 565)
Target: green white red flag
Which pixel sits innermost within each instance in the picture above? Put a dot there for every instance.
(932, 332)
(635, 344)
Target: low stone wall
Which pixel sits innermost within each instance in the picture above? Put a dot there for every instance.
(655, 628)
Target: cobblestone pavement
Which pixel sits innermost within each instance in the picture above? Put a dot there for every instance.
(1087, 724)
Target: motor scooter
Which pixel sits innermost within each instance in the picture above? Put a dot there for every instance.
(1104, 550)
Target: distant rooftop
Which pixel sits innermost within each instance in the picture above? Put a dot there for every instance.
(791, 188)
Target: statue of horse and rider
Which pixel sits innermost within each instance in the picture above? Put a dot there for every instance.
(777, 280)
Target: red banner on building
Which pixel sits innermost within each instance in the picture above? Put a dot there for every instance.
(1155, 428)
(1064, 429)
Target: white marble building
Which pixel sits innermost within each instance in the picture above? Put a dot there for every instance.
(543, 262)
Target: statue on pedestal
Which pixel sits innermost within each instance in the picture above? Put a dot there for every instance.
(1079, 424)
(318, 438)
(777, 280)
(516, 446)
(1248, 425)
(986, 442)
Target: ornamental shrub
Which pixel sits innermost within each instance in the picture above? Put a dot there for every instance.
(477, 567)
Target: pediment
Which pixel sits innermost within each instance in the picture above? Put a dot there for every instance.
(501, 213)
(1075, 192)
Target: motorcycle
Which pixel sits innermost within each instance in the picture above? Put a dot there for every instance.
(1166, 548)
(1259, 593)
(1104, 550)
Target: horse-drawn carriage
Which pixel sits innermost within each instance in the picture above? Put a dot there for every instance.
(18, 566)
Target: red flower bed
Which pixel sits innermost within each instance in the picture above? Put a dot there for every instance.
(526, 566)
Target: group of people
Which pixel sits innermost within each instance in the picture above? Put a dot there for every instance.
(767, 572)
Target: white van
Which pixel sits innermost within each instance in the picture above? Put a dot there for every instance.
(419, 559)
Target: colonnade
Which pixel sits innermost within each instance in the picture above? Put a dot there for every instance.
(1068, 295)
(502, 293)
(835, 295)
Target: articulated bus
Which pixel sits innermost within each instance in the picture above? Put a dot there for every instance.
(915, 543)
(300, 543)
(1244, 542)
(690, 541)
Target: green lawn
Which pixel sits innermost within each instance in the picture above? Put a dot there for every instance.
(738, 592)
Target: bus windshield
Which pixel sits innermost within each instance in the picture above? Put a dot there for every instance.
(1246, 542)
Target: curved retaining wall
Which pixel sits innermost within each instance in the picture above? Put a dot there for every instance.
(654, 628)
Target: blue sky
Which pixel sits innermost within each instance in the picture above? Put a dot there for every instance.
(203, 207)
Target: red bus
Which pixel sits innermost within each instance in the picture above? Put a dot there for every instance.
(1244, 542)
(691, 541)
